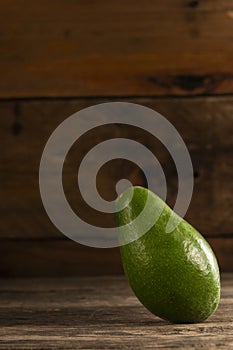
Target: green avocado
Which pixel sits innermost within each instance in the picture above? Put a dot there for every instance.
(174, 274)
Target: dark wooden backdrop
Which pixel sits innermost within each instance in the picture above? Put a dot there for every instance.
(57, 57)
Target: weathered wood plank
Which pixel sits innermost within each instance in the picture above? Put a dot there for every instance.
(202, 122)
(205, 124)
(100, 313)
(82, 48)
(66, 258)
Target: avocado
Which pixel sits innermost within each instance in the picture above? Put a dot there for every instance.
(175, 274)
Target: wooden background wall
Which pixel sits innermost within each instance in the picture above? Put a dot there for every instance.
(57, 57)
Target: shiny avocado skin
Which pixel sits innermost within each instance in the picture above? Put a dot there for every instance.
(175, 275)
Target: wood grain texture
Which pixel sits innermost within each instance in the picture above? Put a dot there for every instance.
(100, 313)
(124, 48)
(206, 126)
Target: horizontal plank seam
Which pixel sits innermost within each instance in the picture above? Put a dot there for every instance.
(54, 239)
(115, 97)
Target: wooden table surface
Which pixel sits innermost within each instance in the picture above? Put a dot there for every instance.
(100, 313)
